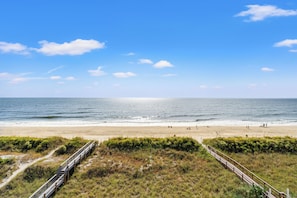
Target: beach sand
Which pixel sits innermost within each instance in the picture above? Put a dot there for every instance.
(101, 133)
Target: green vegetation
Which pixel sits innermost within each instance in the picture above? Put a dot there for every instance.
(255, 145)
(30, 180)
(6, 165)
(131, 144)
(25, 144)
(153, 167)
(277, 169)
(38, 172)
(7, 161)
(276, 165)
(71, 146)
(34, 176)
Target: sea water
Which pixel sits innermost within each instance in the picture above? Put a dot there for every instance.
(146, 112)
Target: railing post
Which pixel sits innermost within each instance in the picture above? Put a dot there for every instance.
(288, 193)
(269, 192)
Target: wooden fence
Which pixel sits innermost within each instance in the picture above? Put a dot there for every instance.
(245, 174)
(63, 173)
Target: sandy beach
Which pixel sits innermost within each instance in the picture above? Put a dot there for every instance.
(101, 133)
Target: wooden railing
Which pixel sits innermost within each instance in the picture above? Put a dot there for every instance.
(246, 174)
(62, 175)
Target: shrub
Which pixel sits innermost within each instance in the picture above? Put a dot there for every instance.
(7, 161)
(24, 144)
(252, 145)
(62, 150)
(37, 172)
(176, 143)
(71, 146)
(44, 145)
(99, 172)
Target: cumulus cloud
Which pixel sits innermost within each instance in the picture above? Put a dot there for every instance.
(162, 64)
(145, 61)
(286, 43)
(267, 69)
(15, 48)
(261, 12)
(124, 74)
(76, 47)
(97, 72)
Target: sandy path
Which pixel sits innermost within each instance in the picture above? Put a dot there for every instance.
(23, 166)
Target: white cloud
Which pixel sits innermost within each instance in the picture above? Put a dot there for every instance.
(162, 64)
(286, 43)
(169, 75)
(218, 87)
(145, 61)
(4, 75)
(55, 77)
(267, 69)
(130, 54)
(203, 86)
(18, 80)
(252, 85)
(15, 48)
(97, 72)
(55, 69)
(70, 78)
(124, 74)
(293, 51)
(261, 12)
(76, 47)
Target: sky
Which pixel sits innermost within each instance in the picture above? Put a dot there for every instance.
(149, 48)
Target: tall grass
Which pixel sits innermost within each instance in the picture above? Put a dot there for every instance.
(153, 167)
(272, 158)
(34, 176)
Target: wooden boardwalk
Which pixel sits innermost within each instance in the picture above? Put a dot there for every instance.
(63, 173)
(245, 174)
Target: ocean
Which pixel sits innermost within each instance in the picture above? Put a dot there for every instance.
(146, 112)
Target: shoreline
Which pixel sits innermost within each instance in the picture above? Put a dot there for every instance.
(101, 133)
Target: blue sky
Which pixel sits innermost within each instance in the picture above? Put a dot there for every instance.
(130, 48)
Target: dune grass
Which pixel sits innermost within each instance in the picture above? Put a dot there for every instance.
(160, 168)
(274, 159)
(34, 176)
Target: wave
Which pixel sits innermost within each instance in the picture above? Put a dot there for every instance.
(205, 119)
(193, 115)
(49, 117)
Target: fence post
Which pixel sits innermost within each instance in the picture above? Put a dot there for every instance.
(269, 192)
(288, 193)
